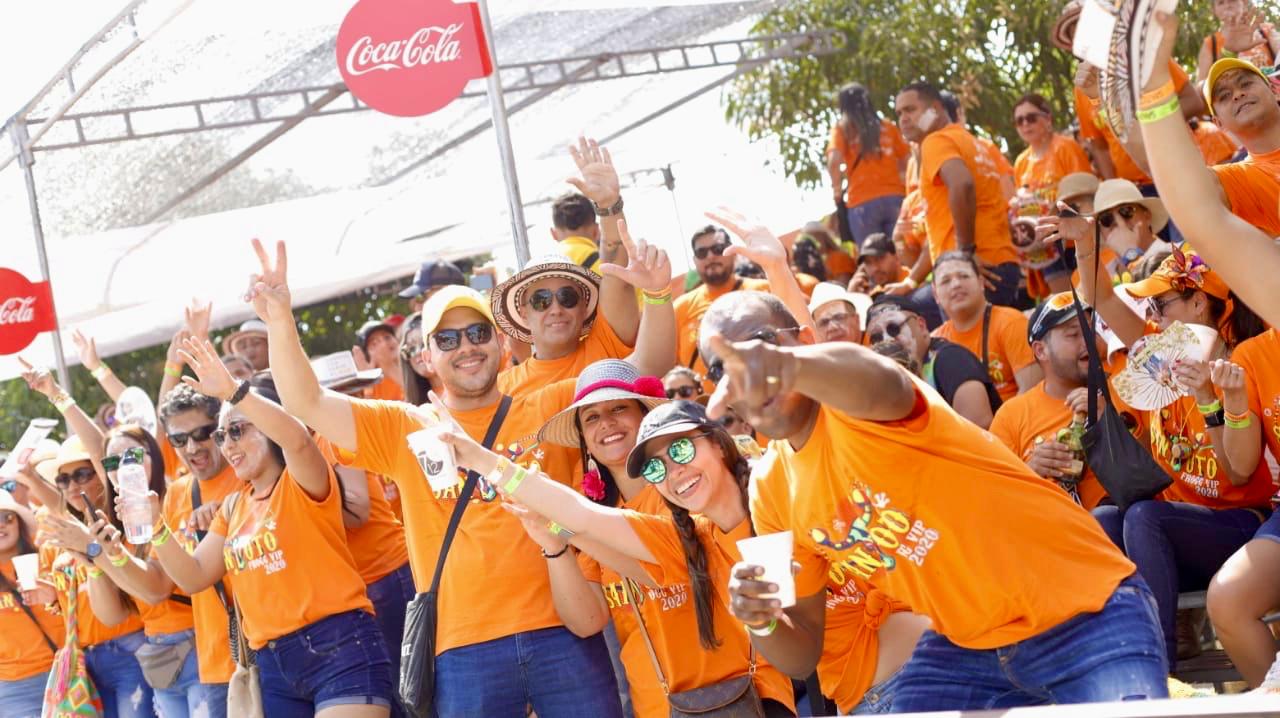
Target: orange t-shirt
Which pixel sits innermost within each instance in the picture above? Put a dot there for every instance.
(490, 542)
(533, 374)
(941, 516)
(676, 606)
(991, 224)
(168, 616)
(378, 546)
(388, 390)
(1042, 175)
(1003, 168)
(689, 309)
(287, 560)
(1215, 145)
(913, 230)
(90, 630)
(1257, 356)
(1007, 347)
(391, 493)
(1253, 190)
(208, 614)
(838, 262)
(1197, 477)
(23, 651)
(1260, 55)
(1095, 128)
(807, 282)
(875, 175)
(173, 465)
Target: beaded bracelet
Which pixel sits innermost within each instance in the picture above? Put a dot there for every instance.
(1159, 112)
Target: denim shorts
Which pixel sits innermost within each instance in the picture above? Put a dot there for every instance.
(1270, 529)
(23, 698)
(878, 699)
(338, 660)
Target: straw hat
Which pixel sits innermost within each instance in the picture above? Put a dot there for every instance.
(25, 515)
(605, 380)
(508, 296)
(1077, 184)
(70, 452)
(828, 292)
(1113, 193)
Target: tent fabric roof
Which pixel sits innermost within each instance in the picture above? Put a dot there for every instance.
(348, 192)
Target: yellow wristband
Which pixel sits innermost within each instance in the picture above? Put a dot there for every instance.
(119, 562)
(102, 371)
(63, 402)
(656, 299)
(161, 538)
(95, 572)
(514, 482)
(173, 370)
(1244, 423)
(1211, 408)
(1159, 112)
(911, 283)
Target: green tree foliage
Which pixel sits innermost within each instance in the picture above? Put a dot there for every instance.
(325, 328)
(989, 52)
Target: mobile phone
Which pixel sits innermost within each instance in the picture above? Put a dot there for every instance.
(93, 513)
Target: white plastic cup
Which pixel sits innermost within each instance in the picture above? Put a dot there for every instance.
(27, 566)
(773, 553)
(435, 457)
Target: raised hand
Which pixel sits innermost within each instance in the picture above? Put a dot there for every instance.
(269, 288)
(758, 244)
(361, 359)
(212, 376)
(755, 372)
(88, 350)
(197, 316)
(1240, 30)
(1086, 79)
(1229, 377)
(648, 267)
(174, 353)
(1078, 229)
(39, 379)
(599, 180)
(1194, 375)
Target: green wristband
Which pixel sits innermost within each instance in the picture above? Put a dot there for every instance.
(1159, 112)
(514, 482)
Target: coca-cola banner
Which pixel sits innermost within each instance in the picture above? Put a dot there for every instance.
(411, 57)
(26, 309)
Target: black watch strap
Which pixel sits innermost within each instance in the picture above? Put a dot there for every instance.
(240, 394)
(609, 211)
(1214, 420)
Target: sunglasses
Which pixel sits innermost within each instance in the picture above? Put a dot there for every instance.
(891, 330)
(1157, 307)
(8, 517)
(715, 372)
(834, 319)
(1106, 219)
(233, 431)
(681, 451)
(684, 392)
(1028, 119)
(11, 485)
(199, 435)
(79, 477)
(448, 340)
(540, 300)
(717, 249)
(410, 351)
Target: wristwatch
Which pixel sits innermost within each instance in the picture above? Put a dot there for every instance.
(93, 550)
(609, 211)
(1216, 419)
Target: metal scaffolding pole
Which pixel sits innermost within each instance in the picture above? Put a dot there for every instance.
(18, 133)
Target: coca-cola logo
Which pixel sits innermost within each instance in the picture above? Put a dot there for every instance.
(411, 57)
(26, 309)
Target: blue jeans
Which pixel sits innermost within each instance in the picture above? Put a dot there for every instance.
(338, 660)
(116, 673)
(1176, 547)
(874, 215)
(389, 596)
(24, 698)
(188, 696)
(879, 698)
(1112, 655)
(561, 675)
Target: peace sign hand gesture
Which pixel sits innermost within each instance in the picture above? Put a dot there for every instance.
(269, 289)
(599, 179)
(758, 244)
(648, 267)
(212, 377)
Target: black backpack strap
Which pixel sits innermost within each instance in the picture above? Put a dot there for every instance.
(986, 336)
(590, 261)
(694, 359)
(17, 597)
(464, 498)
(217, 586)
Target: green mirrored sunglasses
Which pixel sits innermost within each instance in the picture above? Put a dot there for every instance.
(681, 451)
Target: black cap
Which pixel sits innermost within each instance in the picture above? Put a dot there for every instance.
(675, 417)
(901, 301)
(876, 245)
(368, 328)
(434, 273)
(1055, 311)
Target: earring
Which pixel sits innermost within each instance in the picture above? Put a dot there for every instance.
(592, 485)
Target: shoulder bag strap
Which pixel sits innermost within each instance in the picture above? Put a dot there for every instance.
(220, 589)
(27, 610)
(590, 260)
(644, 631)
(464, 498)
(1097, 377)
(986, 335)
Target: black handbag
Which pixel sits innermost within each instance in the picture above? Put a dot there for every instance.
(1124, 467)
(418, 649)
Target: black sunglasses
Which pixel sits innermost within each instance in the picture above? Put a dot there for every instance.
(1106, 219)
(448, 340)
(568, 297)
(717, 249)
(684, 392)
(80, 477)
(715, 371)
(1028, 118)
(892, 330)
(233, 432)
(203, 433)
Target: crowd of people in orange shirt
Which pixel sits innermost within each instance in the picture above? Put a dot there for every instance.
(537, 499)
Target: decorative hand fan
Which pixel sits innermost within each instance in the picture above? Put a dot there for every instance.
(1148, 381)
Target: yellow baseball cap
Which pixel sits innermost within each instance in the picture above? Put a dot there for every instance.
(452, 297)
(1222, 66)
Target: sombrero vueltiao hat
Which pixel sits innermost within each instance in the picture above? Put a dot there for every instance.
(509, 296)
(605, 380)
(1064, 28)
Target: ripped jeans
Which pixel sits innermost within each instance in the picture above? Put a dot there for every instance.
(116, 673)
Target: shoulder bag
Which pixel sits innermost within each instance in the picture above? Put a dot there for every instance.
(70, 692)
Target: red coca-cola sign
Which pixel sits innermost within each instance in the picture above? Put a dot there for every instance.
(26, 309)
(411, 57)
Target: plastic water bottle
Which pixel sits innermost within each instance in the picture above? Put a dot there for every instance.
(136, 505)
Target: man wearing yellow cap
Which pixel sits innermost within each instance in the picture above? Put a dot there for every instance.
(1242, 102)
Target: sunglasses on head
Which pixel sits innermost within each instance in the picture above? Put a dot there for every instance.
(891, 330)
(715, 371)
(681, 451)
(684, 392)
(448, 340)
(1107, 219)
(199, 435)
(80, 477)
(567, 297)
(233, 431)
(1027, 119)
(717, 249)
